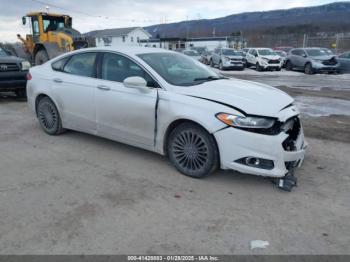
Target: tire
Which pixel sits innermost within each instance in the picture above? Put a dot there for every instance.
(192, 150)
(289, 66)
(212, 63)
(258, 67)
(21, 93)
(308, 69)
(41, 57)
(221, 66)
(49, 117)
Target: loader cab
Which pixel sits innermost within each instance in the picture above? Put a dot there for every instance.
(43, 23)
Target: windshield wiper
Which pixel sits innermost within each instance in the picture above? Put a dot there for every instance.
(209, 78)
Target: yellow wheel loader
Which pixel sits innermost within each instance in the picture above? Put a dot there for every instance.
(52, 35)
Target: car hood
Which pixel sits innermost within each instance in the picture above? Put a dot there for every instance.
(271, 57)
(323, 57)
(250, 97)
(234, 56)
(10, 59)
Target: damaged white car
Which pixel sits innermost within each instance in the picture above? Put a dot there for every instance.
(171, 104)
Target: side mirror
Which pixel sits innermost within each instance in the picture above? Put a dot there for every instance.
(256, 55)
(304, 55)
(135, 82)
(24, 20)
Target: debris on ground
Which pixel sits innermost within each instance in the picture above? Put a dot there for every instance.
(258, 244)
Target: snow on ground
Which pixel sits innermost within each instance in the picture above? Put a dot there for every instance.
(322, 106)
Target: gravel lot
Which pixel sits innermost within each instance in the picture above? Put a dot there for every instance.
(79, 194)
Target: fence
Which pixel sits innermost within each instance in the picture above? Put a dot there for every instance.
(338, 43)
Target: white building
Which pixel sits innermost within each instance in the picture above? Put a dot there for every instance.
(119, 36)
(173, 43)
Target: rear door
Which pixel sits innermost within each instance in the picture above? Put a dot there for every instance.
(74, 81)
(124, 114)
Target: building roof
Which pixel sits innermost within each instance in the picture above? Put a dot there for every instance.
(117, 32)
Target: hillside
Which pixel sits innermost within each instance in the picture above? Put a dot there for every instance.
(333, 18)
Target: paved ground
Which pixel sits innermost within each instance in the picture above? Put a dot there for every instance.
(77, 193)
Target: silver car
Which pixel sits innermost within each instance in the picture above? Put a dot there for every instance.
(226, 58)
(312, 60)
(344, 60)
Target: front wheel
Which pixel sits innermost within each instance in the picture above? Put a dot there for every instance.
(289, 66)
(308, 69)
(258, 67)
(221, 67)
(192, 150)
(49, 117)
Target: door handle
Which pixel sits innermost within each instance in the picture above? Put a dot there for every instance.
(57, 80)
(104, 88)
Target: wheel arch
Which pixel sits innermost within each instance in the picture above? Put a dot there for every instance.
(41, 96)
(178, 122)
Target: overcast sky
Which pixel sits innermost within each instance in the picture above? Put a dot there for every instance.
(91, 14)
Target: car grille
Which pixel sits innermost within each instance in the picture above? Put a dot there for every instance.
(7, 67)
(332, 61)
(274, 61)
(236, 60)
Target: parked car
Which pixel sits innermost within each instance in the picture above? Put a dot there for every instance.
(344, 60)
(199, 49)
(206, 57)
(283, 48)
(193, 54)
(264, 59)
(226, 58)
(170, 104)
(283, 56)
(312, 60)
(13, 71)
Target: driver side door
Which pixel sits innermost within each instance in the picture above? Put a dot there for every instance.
(124, 114)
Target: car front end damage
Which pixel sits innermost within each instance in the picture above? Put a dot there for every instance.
(267, 63)
(326, 65)
(273, 152)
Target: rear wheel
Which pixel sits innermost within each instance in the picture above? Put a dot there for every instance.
(289, 66)
(192, 150)
(49, 117)
(308, 69)
(41, 57)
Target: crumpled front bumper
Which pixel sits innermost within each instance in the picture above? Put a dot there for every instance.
(235, 144)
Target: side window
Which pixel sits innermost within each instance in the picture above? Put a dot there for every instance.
(117, 68)
(294, 52)
(35, 24)
(58, 65)
(81, 64)
(302, 52)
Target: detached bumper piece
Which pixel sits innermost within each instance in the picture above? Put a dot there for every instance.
(286, 183)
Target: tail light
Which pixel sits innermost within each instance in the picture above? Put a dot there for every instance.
(29, 76)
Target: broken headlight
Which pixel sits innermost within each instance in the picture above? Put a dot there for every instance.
(246, 121)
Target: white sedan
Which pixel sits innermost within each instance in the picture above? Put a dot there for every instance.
(168, 103)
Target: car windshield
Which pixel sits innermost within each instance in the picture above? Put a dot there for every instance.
(231, 52)
(328, 52)
(316, 52)
(191, 53)
(178, 69)
(2, 52)
(281, 53)
(266, 52)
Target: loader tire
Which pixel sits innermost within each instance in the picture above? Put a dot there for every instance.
(41, 57)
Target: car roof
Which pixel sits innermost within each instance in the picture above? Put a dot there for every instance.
(130, 50)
